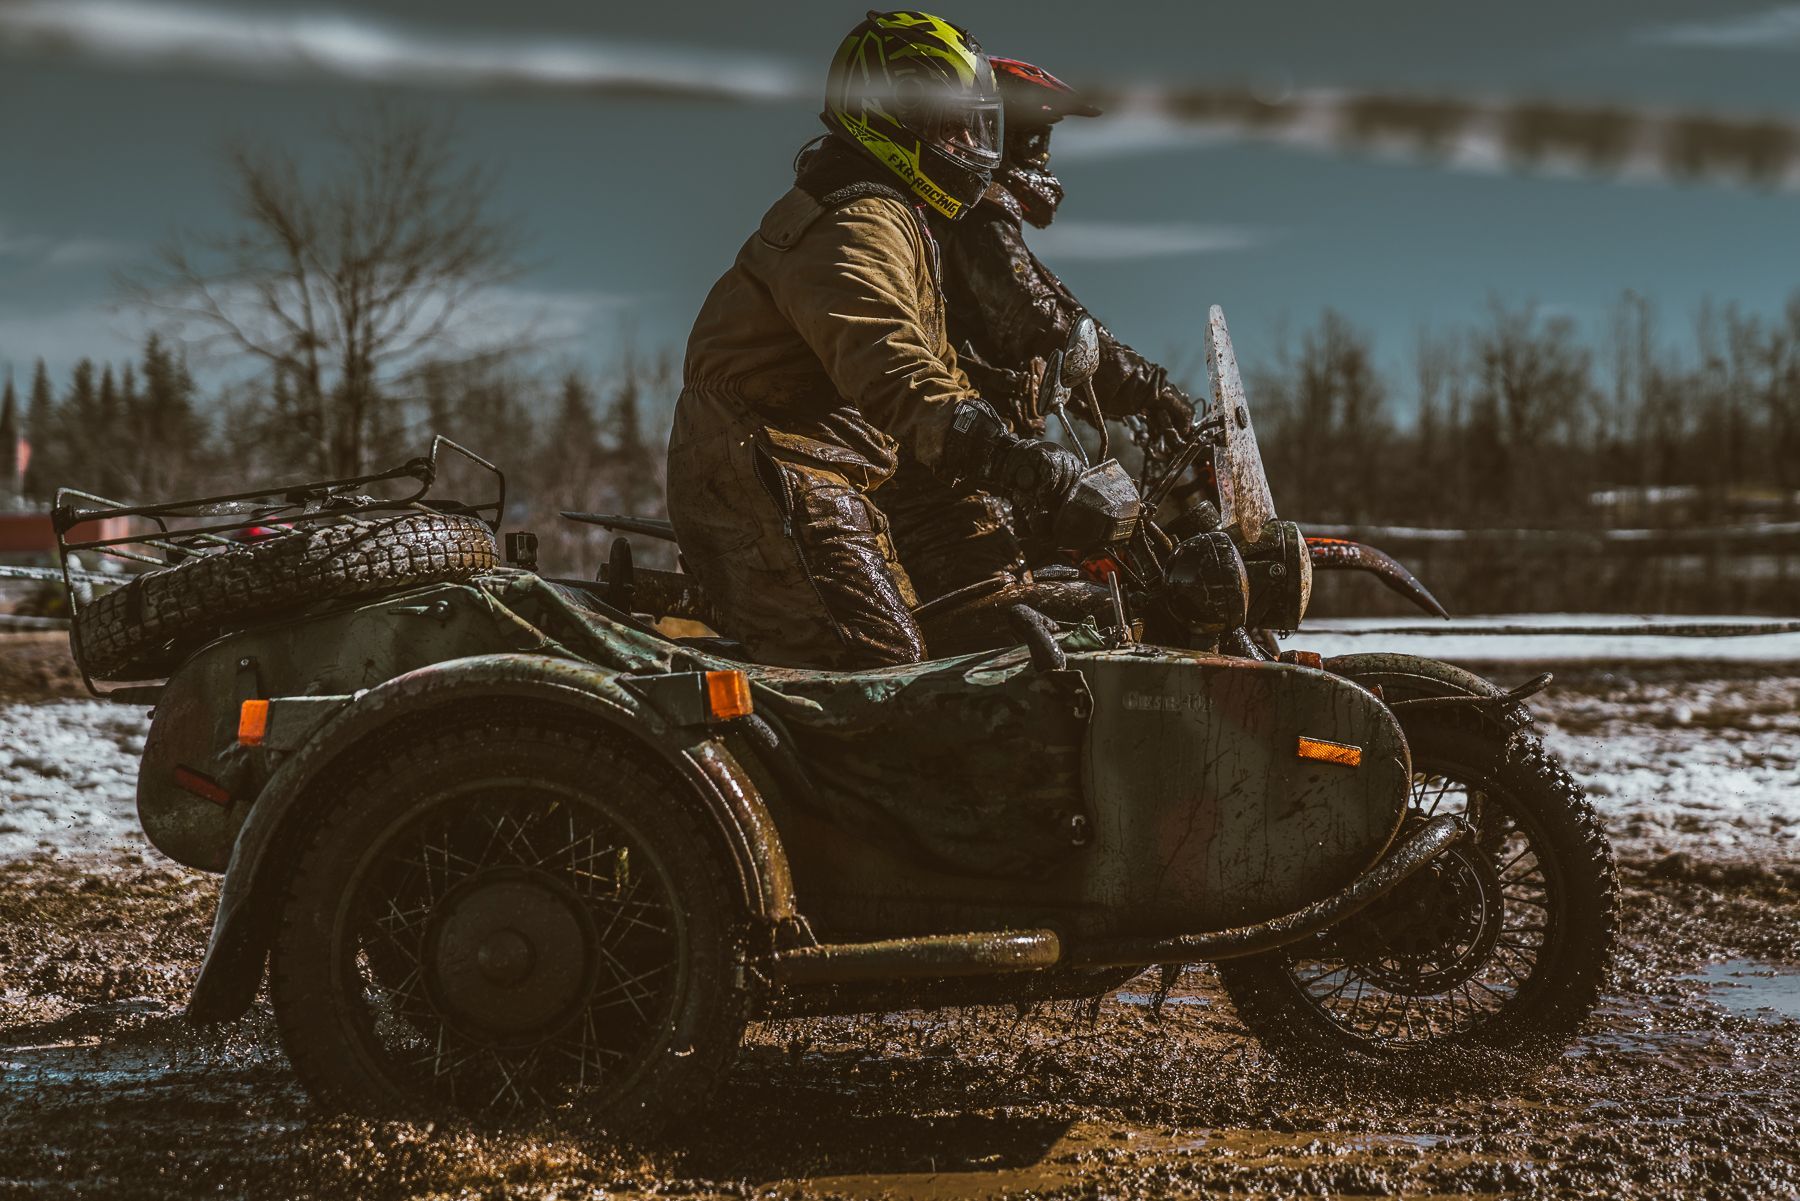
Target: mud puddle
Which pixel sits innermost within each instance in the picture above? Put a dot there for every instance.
(1750, 989)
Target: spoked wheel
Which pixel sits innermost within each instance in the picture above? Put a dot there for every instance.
(508, 920)
(1502, 943)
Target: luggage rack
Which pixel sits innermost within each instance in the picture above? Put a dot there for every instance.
(285, 506)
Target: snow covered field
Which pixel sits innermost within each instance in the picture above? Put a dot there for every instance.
(1699, 760)
(68, 777)
(1616, 638)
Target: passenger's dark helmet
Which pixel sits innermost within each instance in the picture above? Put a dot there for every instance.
(1034, 100)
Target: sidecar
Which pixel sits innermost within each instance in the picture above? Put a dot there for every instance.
(483, 822)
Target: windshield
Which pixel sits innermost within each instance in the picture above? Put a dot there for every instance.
(1244, 501)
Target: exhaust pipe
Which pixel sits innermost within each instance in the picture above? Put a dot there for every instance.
(993, 953)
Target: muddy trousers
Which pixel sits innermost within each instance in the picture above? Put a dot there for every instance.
(948, 536)
(795, 560)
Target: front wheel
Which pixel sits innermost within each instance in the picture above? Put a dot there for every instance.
(510, 916)
(1501, 944)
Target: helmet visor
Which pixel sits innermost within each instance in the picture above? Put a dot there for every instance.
(969, 134)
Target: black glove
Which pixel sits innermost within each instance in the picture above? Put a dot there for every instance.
(1170, 411)
(1087, 507)
(1033, 473)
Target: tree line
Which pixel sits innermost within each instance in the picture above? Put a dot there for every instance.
(142, 431)
(1513, 421)
(1520, 421)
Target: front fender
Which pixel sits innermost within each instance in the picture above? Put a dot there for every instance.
(243, 928)
(1412, 677)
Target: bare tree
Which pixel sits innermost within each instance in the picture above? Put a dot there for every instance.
(343, 282)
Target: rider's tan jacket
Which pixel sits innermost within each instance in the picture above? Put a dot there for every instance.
(828, 331)
(815, 359)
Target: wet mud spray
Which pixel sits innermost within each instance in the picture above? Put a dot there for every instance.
(1686, 1085)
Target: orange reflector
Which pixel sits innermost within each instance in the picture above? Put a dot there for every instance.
(1325, 751)
(727, 695)
(201, 785)
(253, 723)
(1312, 659)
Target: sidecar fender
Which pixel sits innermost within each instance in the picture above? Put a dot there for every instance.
(249, 901)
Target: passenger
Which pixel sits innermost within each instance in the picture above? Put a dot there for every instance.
(821, 356)
(1008, 312)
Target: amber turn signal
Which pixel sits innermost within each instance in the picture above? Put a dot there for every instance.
(727, 695)
(1326, 751)
(253, 722)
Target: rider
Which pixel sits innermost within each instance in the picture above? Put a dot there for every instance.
(1008, 312)
(821, 355)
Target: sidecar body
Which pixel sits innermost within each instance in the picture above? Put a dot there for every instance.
(979, 819)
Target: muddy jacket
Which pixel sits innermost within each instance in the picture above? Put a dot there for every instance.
(829, 331)
(815, 361)
(1009, 307)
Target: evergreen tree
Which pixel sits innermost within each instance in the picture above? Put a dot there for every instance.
(634, 463)
(42, 473)
(72, 440)
(108, 437)
(9, 441)
(171, 436)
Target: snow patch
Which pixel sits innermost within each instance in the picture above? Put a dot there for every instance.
(1706, 767)
(1480, 640)
(68, 777)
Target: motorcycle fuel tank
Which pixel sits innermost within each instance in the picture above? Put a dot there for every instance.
(1228, 791)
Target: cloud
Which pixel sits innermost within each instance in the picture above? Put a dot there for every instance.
(1772, 29)
(259, 44)
(1134, 132)
(74, 252)
(41, 249)
(1124, 240)
(1627, 144)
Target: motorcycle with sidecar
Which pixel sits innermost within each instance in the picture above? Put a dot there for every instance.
(498, 841)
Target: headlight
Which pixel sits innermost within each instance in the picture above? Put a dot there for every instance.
(1280, 571)
(1208, 588)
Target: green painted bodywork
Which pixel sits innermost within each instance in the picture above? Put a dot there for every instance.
(1139, 791)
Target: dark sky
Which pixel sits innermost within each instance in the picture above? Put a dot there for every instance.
(630, 209)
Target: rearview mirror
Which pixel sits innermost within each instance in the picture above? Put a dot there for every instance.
(1081, 354)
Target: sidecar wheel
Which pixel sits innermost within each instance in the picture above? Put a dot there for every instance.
(512, 918)
(1501, 945)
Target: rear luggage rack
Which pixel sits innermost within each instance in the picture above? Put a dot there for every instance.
(283, 506)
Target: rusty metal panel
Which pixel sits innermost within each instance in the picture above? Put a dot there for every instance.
(1205, 814)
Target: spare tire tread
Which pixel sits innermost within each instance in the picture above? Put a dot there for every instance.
(141, 630)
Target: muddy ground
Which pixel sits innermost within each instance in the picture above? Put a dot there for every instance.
(1684, 1087)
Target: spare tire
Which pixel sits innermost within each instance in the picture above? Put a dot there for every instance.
(142, 630)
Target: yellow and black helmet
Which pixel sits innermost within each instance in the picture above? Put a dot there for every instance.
(917, 94)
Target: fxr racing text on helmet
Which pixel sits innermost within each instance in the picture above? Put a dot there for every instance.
(917, 94)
